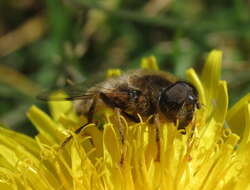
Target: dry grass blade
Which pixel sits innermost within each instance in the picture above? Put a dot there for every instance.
(28, 32)
(18, 81)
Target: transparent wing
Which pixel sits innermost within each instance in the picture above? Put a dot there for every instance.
(81, 90)
(66, 94)
(75, 91)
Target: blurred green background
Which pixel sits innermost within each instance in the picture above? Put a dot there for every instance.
(42, 43)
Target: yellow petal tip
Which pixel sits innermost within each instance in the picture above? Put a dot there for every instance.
(149, 63)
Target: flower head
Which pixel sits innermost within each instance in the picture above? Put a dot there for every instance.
(213, 154)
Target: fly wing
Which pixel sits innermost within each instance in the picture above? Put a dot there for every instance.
(82, 90)
(75, 91)
(66, 94)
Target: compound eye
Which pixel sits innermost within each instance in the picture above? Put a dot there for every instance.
(170, 101)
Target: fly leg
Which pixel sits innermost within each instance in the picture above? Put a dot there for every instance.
(90, 120)
(157, 137)
(131, 117)
(119, 112)
(121, 132)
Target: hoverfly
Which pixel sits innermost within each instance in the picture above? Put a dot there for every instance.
(140, 92)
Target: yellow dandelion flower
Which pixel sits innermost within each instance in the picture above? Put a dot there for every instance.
(214, 154)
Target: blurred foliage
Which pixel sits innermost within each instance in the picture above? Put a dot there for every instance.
(42, 43)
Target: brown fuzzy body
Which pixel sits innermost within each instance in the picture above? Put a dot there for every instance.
(139, 92)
